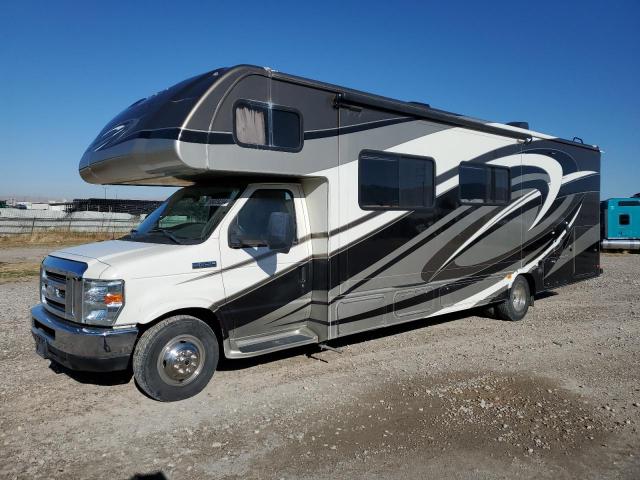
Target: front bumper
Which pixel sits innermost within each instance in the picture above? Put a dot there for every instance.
(81, 347)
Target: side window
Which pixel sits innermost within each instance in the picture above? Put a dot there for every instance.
(260, 125)
(484, 184)
(395, 181)
(251, 124)
(252, 220)
(624, 219)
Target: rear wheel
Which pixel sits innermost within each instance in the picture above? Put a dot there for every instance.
(516, 305)
(176, 358)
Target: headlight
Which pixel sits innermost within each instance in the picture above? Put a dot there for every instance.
(102, 301)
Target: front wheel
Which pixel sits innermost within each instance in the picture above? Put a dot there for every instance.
(516, 305)
(176, 358)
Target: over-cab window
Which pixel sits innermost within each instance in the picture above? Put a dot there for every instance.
(261, 125)
(395, 181)
(484, 184)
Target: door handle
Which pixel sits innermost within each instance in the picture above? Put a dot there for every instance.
(303, 275)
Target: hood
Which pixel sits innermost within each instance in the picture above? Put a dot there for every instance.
(113, 251)
(126, 259)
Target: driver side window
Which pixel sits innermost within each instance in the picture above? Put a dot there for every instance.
(251, 223)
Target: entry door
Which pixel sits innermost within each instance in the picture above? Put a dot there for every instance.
(266, 291)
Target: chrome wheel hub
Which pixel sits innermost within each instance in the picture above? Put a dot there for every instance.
(181, 360)
(518, 297)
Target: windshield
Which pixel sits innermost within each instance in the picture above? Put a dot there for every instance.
(188, 216)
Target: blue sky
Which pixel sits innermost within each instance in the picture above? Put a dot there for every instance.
(569, 68)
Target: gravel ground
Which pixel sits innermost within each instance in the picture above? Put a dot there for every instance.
(555, 396)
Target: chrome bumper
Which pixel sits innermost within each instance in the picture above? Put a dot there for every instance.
(621, 244)
(81, 347)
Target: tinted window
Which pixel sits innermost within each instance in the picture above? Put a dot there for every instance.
(252, 220)
(500, 185)
(388, 180)
(629, 203)
(285, 129)
(475, 183)
(484, 184)
(416, 182)
(624, 219)
(379, 182)
(263, 126)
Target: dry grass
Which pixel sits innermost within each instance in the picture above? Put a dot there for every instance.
(26, 270)
(55, 238)
(11, 272)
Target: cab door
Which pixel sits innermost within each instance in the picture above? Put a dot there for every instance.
(266, 291)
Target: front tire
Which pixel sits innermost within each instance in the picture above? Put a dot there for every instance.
(516, 305)
(176, 358)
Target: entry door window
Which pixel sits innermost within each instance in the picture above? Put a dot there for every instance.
(253, 219)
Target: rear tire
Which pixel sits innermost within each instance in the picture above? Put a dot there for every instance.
(516, 305)
(176, 358)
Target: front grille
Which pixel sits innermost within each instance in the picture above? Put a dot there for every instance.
(56, 276)
(53, 290)
(60, 287)
(57, 305)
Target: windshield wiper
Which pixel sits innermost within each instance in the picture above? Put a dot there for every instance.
(167, 234)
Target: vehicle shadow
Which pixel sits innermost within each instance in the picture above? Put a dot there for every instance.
(388, 331)
(310, 351)
(94, 378)
(149, 476)
(547, 294)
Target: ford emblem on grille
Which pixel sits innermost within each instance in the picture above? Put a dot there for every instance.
(53, 292)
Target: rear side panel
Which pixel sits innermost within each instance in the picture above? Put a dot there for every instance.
(393, 266)
(576, 256)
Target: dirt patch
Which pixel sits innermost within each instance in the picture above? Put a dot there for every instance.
(514, 418)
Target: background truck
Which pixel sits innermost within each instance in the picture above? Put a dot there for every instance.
(620, 223)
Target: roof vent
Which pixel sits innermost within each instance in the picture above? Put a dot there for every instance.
(523, 125)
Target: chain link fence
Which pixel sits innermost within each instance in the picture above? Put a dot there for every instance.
(30, 222)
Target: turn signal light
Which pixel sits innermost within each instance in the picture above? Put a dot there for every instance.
(113, 298)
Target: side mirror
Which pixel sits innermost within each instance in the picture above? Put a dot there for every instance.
(280, 232)
(235, 240)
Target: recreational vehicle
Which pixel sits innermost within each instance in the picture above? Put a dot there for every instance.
(308, 212)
